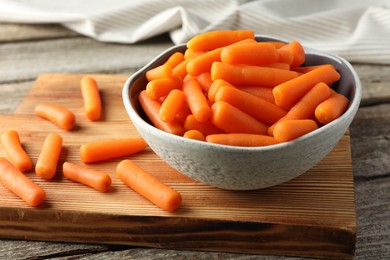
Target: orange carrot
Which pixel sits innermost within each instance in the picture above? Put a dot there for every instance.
(159, 72)
(190, 53)
(264, 111)
(305, 107)
(148, 186)
(14, 180)
(203, 62)
(288, 93)
(161, 87)
(15, 152)
(331, 108)
(288, 130)
(278, 44)
(98, 180)
(251, 75)
(306, 69)
(175, 59)
(219, 38)
(172, 105)
(297, 51)
(56, 114)
(194, 134)
(261, 92)
(214, 88)
(151, 108)
(48, 158)
(196, 100)
(182, 114)
(180, 70)
(91, 97)
(206, 128)
(110, 149)
(205, 81)
(237, 139)
(257, 53)
(285, 56)
(232, 120)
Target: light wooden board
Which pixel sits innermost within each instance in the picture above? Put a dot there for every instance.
(312, 215)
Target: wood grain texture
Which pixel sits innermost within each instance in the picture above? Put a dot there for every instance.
(312, 215)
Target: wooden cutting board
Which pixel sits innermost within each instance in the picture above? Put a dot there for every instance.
(312, 215)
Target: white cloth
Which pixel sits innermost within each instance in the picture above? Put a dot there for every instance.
(357, 30)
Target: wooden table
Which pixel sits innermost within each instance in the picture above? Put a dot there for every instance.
(28, 50)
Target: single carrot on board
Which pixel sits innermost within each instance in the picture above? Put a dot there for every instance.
(288, 93)
(91, 97)
(15, 151)
(58, 115)
(172, 105)
(238, 139)
(98, 180)
(196, 100)
(14, 180)
(159, 72)
(237, 74)
(206, 128)
(48, 158)
(175, 59)
(264, 111)
(257, 53)
(288, 130)
(203, 62)
(194, 134)
(232, 120)
(297, 51)
(261, 92)
(305, 107)
(205, 81)
(215, 39)
(110, 149)
(331, 108)
(148, 186)
(161, 87)
(151, 108)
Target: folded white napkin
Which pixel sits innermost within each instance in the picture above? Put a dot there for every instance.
(357, 30)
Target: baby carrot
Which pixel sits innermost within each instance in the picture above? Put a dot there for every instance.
(182, 114)
(261, 92)
(196, 100)
(331, 108)
(218, 38)
(288, 130)
(297, 51)
(306, 69)
(190, 53)
(288, 93)
(14, 149)
(159, 72)
(264, 111)
(109, 149)
(148, 186)
(203, 62)
(206, 128)
(91, 97)
(285, 56)
(237, 139)
(48, 158)
(14, 180)
(161, 87)
(98, 180)
(151, 108)
(205, 81)
(214, 88)
(232, 120)
(180, 70)
(56, 114)
(256, 53)
(172, 105)
(175, 59)
(194, 134)
(250, 75)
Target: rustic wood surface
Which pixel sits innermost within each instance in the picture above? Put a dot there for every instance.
(28, 50)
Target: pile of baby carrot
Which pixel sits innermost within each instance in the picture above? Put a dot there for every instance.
(12, 169)
(227, 88)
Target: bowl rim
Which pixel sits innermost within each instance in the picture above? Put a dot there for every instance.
(135, 116)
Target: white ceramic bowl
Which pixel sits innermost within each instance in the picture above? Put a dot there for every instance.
(245, 168)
